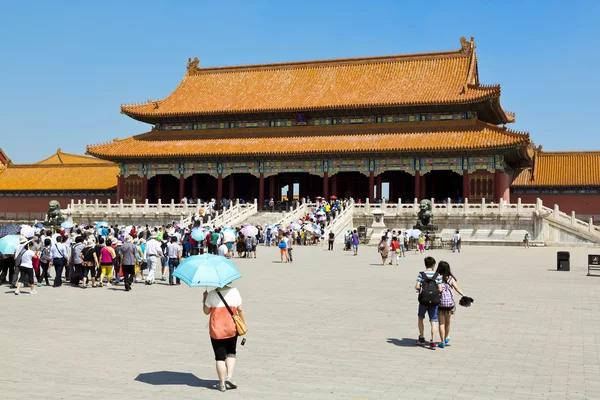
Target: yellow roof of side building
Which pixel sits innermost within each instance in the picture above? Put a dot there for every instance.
(60, 171)
(561, 169)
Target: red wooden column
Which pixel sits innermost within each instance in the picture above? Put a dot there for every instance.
(372, 186)
(334, 185)
(181, 187)
(231, 187)
(326, 185)
(466, 184)
(423, 194)
(219, 190)
(418, 185)
(120, 188)
(195, 186)
(501, 186)
(158, 187)
(261, 191)
(378, 183)
(144, 188)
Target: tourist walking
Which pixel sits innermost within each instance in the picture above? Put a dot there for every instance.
(58, 253)
(383, 249)
(283, 249)
(456, 241)
(526, 240)
(421, 244)
(331, 240)
(45, 260)
(447, 305)
(25, 262)
(130, 258)
(355, 242)
(429, 287)
(395, 249)
(90, 263)
(153, 255)
(223, 331)
(290, 248)
(174, 256)
(107, 256)
(76, 254)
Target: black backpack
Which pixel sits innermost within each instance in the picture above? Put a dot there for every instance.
(429, 296)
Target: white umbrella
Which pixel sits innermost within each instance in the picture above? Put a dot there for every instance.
(27, 231)
(320, 212)
(250, 230)
(228, 235)
(415, 233)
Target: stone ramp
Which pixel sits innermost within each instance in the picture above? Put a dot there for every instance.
(263, 218)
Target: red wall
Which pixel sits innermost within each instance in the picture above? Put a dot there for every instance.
(40, 204)
(587, 205)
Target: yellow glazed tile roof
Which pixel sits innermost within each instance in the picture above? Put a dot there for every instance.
(314, 140)
(59, 177)
(64, 158)
(561, 169)
(61, 171)
(404, 80)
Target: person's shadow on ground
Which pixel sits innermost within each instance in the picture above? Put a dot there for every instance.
(175, 378)
(404, 342)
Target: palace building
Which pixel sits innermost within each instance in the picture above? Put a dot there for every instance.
(422, 123)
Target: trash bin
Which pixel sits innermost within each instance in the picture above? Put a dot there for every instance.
(563, 261)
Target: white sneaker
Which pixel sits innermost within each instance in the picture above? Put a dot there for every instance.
(33, 292)
(17, 292)
(108, 284)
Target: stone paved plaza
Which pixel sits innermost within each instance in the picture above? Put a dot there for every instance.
(329, 326)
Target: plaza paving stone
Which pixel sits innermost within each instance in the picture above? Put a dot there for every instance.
(328, 326)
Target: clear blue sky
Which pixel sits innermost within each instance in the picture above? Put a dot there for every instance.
(67, 66)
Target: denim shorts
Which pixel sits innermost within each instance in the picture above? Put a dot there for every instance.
(432, 312)
(355, 246)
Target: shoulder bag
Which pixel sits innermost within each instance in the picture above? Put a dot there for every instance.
(239, 323)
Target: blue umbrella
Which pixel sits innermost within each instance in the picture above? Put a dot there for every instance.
(10, 229)
(207, 270)
(39, 225)
(9, 244)
(101, 224)
(67, 225)
(198, 234)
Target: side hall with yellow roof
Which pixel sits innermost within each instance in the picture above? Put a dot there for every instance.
(28, 188)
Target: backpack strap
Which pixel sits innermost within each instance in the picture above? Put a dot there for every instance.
(423, 276)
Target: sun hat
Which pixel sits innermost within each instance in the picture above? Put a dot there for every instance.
(22, 240)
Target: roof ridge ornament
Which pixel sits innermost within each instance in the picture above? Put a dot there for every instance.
(466, 45)
(193, 66)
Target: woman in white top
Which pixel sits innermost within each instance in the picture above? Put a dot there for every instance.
(222, 330)
(26, 269)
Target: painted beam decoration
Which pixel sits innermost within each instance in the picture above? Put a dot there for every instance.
(320, 121)
(318, 167)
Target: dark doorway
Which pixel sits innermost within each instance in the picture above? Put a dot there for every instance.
(163, 187)
(351, 185)
(441, 185)
(401, 186)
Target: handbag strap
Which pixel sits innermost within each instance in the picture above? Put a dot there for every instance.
(224, 302)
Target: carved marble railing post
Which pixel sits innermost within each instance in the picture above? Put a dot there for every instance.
(146, 206)
(108, 207)
(519, 208)
(538, 204)
(591, 224)
(483, 205)
(72, 203)
(465, 206)
(399, 207)
(367, 206)
(172, 208)
(448, 206)
(96, 206)
(573, 219)
(556, 211)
